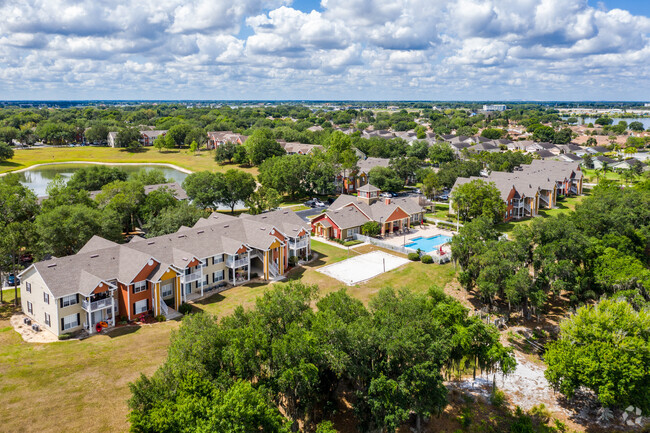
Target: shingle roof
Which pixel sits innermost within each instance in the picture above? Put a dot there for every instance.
(174, 187)
(368, 188)
(365, 165)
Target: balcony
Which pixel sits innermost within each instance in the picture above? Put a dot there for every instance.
(194, 276)
(96, 305)
(296, 245)
(232, 263)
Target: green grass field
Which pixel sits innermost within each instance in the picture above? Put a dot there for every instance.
(203, 160)
(83, 385)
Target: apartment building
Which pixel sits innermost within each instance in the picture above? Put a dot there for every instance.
(105, 280)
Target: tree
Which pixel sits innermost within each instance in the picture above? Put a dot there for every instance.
(225, 152)
(591, 141)
(604, 121)
(237, 187)
(95, 177)
(452, 170)
(605, 349)
(128, 137)
(441, 152)
(194, 146)
(177, 133)
(15, 239)
(149, 177)
(57, 133)
(6, 152)
(431, 185)
(493, 133)
(563, 136)
(261, 145)
(478, 198)
(155, 202)
(636, 126)
(263, 199)
(58, 193)
(419, 149)
(287, 174)
(385, 179)
(171, 218)
(97, 133)
(160, 143)
(63, 230)
(123, 198)
(8, 134)
(405, 167)
(203, 188)
(544, 134)
(371, 228)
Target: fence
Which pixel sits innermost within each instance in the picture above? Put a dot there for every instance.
(380, 243)
(435, 255)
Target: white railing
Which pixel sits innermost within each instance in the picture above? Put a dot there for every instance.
(194, 276)
(163, 307)
(232, 263)
(273, 269)
(97, 305)
(257, 253)
(299, 244)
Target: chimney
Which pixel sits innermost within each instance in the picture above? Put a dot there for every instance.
(387, 200)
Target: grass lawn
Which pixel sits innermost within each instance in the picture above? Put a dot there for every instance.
(83, 385)
(441, 213)
(203, 160)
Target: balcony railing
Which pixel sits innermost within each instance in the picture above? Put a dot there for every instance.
(232, 263)
(296, 245)
(194, 276)
(96, 305)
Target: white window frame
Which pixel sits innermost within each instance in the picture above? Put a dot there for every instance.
(164, 292)
(217, 259)
(214, 276)
(28, 287)
(30, 307)
(48, 319)
(140, 286)
(46, 297)
(70, 323)
(140, 303)
(69, 300)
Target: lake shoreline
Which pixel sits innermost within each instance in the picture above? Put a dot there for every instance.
(161, 164)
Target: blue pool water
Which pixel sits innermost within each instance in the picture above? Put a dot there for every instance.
(428, 244)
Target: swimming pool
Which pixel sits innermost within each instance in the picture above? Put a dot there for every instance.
(428, 244)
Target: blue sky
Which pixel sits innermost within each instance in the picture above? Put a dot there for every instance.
(329, 49)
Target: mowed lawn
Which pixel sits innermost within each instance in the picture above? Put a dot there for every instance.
(203, 160)
(83, 385)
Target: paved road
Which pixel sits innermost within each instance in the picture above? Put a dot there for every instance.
(305, 214)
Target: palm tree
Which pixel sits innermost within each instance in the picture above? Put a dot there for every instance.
(599, 173)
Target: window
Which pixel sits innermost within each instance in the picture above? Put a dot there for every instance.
(28, 287)
(30, 308)
(217, 259)
(217, 276)
(71, 321)
(46, 298)
(66, 301)
(47, 320)
(205, 262)
(188, 288)
(140, 286)
(141, 306)
(167, 290)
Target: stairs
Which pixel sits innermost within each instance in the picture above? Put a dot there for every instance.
(274, 270)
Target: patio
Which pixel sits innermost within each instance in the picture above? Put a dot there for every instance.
(415, 232)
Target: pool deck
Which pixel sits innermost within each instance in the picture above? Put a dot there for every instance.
(416, 232)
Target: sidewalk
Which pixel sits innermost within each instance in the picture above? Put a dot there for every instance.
(335, 244)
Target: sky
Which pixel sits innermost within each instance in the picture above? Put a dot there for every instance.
(325, 50)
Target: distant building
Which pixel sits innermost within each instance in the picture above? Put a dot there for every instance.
(494, 107)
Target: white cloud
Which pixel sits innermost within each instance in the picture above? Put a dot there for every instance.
(349, 49)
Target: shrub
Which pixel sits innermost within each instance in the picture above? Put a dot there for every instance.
(497, 398)
(293, 260)
(254, 275)
(160, 318)
(185, 308)
(427, 259)
(65, 336)
(415, 257)
(124, 319)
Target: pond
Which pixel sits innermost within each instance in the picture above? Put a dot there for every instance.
(37, 178)
(587, 120)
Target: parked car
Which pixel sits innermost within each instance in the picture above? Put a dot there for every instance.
(444, 196)
(314, 202)
(13, 280)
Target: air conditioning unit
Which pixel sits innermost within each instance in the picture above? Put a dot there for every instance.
(27, 321)
(35, 327)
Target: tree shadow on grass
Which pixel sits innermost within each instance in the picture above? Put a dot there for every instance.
(132, 150)
(123, 330)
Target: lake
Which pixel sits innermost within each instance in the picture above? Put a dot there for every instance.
(37, 178)
(644, 120)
